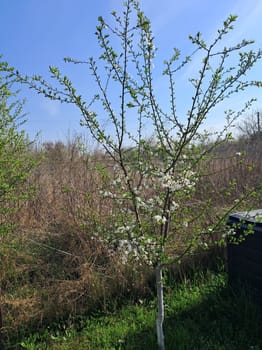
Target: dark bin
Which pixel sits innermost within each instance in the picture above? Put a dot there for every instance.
(245, 258)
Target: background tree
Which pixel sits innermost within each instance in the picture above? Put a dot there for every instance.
(250, 127)
(155, 219)
(16, 163)
(15, 157)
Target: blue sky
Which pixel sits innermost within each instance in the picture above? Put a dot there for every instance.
(35, 34)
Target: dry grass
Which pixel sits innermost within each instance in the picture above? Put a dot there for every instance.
(51, 266)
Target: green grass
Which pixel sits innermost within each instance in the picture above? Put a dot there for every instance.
(200, 314)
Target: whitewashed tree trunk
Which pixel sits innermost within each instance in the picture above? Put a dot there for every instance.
(160, 308)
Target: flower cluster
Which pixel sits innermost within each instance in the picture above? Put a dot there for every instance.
(160, 219)
(129, 246)
(136, 248)
(142, 198)
(179, 182)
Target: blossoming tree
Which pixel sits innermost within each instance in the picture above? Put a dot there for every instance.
(154, 178)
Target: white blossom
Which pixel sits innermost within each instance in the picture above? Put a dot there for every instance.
(160, 219)
(123, 229)
(179, 182)
(174, 206)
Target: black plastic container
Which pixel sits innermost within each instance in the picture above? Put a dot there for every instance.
(245, 257)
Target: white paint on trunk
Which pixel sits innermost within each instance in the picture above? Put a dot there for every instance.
(160, 308)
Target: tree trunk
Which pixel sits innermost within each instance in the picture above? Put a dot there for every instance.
(160, 308)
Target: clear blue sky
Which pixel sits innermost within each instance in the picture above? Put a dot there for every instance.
(37, 33)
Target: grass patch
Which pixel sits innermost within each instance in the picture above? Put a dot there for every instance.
(201, 313)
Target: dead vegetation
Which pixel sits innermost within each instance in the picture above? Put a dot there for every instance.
(54, 266)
